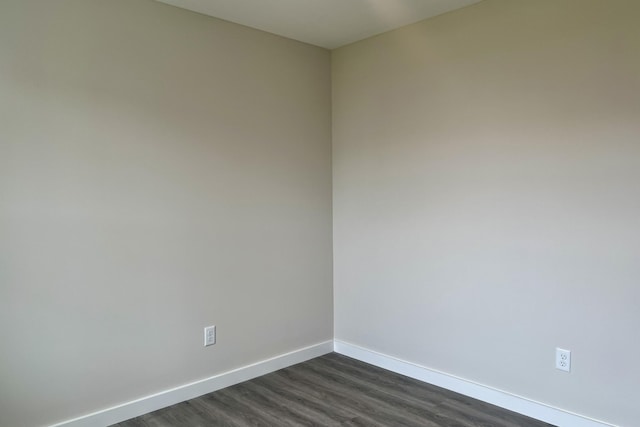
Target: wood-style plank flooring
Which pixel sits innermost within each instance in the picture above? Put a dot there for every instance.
(333, 390)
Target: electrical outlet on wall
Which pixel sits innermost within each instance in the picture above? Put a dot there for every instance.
(563, 359)
(209, 335)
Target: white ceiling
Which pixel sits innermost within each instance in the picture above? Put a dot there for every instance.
(326, 23)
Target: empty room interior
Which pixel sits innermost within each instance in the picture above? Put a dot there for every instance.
(442, 189)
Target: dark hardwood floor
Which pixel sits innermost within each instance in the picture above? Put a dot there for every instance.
(333, 390)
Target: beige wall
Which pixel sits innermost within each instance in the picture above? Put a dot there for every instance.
(486, 201)
(160, 171)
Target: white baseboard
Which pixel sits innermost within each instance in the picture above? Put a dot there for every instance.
(487, 394)
(184, 392)
(192, 390)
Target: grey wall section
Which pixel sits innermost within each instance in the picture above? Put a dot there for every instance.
(486, 203)
(160, 171)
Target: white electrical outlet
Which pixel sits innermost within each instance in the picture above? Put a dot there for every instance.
(563, 359)
(209, 336)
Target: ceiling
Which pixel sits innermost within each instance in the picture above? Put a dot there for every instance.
(325, 23)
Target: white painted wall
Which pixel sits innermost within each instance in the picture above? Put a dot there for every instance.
(486, 204)
(160, 171)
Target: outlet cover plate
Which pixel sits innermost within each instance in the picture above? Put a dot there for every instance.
(209, 335)
(563, 359)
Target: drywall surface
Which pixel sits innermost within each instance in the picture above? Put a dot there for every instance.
(160, 171)
(486, 203)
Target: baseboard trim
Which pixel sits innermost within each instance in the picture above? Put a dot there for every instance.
(487, 394)
(184, 392)
(192, 390)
